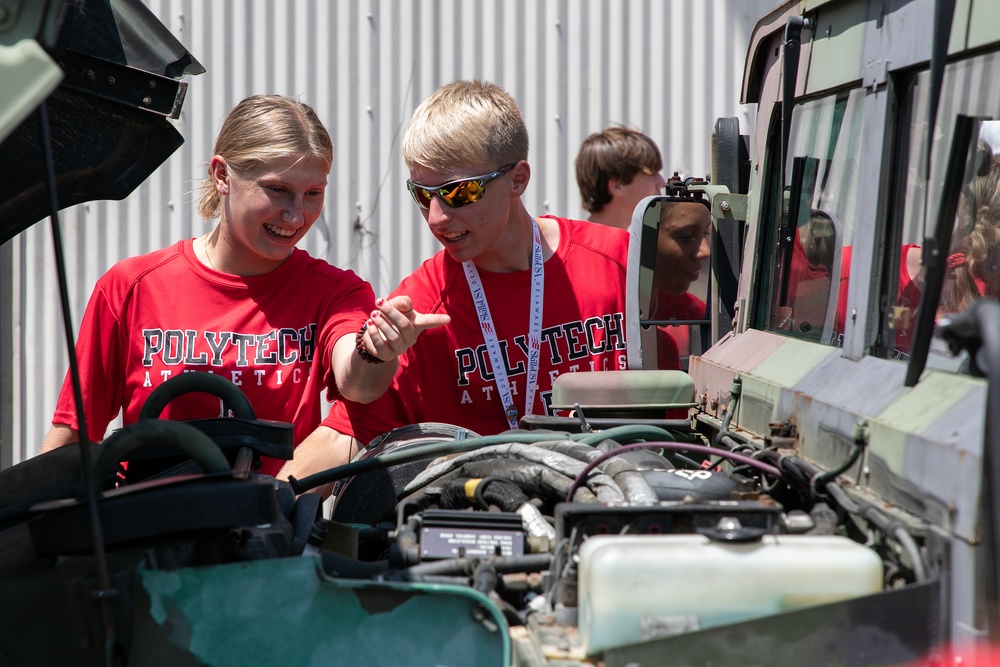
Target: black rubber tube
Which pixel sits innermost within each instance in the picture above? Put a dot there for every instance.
(189, 383)
(500, 564)
(156, 433)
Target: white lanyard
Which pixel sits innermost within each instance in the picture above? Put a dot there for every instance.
(534, 329)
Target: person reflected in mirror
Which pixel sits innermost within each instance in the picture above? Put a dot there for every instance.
(240, 301)
(970, 269)
(684, 243)
(529, 297)
(811, 272)
(615, 169)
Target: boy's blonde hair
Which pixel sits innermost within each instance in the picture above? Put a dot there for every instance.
(465, 123)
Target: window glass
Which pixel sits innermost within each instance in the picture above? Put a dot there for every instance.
(971, 88)
(810, 270)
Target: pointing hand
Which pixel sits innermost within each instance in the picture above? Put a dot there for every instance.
(395, 326)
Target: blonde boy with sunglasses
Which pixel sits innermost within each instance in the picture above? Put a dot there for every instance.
(529, 297)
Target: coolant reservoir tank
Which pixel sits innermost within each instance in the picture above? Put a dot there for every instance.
(634, 588)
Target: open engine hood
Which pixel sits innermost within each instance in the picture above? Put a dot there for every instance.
(109, 75)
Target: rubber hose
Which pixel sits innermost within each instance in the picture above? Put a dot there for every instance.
(603, 486)
(635, 488)
(505, 495)
(416, 453)
(485, 578)
(158, 433)
(626, 434)
(534, 479)
(405, 550)
(893, 529)
(189, 383)
(434, 450)
(501, 564)
(342, 567)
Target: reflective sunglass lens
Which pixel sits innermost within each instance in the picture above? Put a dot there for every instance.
(463, 194)
(457, 193)
(421, 196)
(456, 197)
(449, 196)
(424, 197)
(472, 191)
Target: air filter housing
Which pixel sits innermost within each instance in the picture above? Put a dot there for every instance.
(624, 394)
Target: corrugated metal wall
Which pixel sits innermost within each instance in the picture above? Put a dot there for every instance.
(667, 67)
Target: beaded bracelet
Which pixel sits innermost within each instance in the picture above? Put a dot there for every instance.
(359, 346)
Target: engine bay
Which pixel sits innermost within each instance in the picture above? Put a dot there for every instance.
(597, 538)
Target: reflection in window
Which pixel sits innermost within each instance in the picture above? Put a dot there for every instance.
(813, 270)
(972, 266)
(971, 88)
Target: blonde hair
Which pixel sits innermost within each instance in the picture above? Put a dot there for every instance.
(263, 129)
(975, 246)
(984, 238)
(465, 123)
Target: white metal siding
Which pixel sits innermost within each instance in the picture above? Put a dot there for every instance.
(666, 67)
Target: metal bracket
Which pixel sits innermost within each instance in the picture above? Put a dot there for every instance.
(725, 204)
(123, 84)
(875, 73)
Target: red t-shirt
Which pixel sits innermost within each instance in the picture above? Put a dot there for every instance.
(808, 289)
(670, 340)
(908, 296)
(164, 313)
(446, 376)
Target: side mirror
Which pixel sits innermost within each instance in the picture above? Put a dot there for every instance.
(668, 281)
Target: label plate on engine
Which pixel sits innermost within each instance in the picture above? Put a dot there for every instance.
(453, 542)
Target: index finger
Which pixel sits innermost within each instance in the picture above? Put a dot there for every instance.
(424, 321)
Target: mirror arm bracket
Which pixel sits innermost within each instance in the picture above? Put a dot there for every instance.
(725, 204)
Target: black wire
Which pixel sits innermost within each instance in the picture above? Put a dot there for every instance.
(820, 482)
(674, 446)
(687, 460)
(480, 487)
(104, 591)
